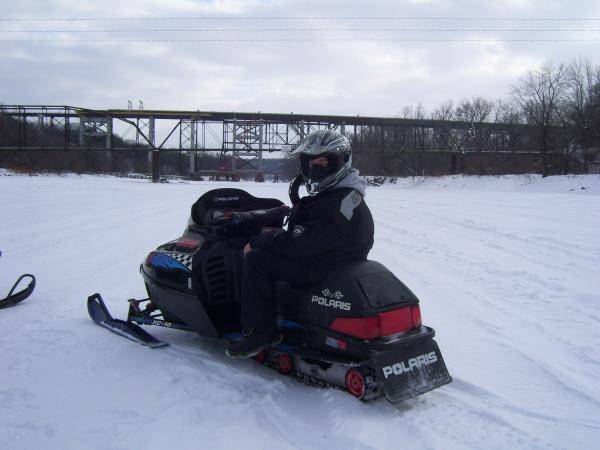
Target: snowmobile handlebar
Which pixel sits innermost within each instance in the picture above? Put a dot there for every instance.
(256, 217)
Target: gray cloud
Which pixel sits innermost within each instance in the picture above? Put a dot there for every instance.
(366, 78)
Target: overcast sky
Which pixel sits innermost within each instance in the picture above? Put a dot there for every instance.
(332, 71)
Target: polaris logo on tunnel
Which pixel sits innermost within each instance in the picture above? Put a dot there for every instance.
(401, 367)
(331, 303)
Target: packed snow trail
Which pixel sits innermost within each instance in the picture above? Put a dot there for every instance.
(507, 270)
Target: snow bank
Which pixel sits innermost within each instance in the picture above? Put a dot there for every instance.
(506, 183)
(507, 270)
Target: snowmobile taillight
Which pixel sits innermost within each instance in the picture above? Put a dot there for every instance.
(416, 316)
(360, 327)
(383, 324)
(400, 320)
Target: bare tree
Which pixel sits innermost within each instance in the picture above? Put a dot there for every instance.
(476, 112)
(582, 103)
(442, 137)
(540, 96)
(413, 111)
(444, 112)
(505, 112)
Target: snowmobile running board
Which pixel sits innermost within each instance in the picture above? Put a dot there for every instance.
(12, 298)
(100, 315)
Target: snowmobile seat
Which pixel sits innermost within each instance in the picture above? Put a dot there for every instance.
(224, 200)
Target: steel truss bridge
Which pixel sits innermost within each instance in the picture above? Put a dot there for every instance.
(244, 136)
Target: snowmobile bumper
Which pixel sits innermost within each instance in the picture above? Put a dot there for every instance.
(414, 366)
(15, 297)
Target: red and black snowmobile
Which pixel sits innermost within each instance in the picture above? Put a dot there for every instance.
(359, 330)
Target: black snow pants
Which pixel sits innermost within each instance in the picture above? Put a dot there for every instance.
(260, 272)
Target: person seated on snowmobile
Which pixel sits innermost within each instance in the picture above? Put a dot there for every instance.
(331, 225)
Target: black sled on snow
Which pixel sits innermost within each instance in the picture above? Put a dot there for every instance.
(359, 330)
(16, 297)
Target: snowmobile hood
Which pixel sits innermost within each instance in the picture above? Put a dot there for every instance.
(354, 181)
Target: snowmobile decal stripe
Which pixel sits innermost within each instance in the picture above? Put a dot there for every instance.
(171, 261)
(183, 258)
(288, 324)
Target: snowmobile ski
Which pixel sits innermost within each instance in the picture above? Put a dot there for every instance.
(13, 298)
(101, 316)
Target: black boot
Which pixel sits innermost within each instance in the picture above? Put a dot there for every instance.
(253, 342)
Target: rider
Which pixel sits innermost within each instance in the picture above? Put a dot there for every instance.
(331, 225)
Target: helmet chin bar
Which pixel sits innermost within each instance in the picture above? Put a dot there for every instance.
(294, 188)
(329, 181)
(314, 187)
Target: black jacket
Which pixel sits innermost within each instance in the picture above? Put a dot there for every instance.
(333, 226)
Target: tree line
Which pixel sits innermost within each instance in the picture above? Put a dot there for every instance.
(550, 123)
(553, 111)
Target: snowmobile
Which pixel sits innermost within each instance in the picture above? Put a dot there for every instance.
(359, 330)
(15, 297)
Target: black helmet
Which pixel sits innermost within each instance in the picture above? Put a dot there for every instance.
(332, 145)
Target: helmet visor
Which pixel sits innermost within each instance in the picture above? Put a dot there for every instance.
(318, 171)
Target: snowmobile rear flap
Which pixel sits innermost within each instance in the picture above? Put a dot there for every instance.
(411, 370)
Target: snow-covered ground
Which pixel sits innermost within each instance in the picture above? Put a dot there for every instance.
(507, 270)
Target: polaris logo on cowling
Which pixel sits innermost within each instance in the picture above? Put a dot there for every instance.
(400, 367)
(331, 300)
(331, 303)
(231, 198)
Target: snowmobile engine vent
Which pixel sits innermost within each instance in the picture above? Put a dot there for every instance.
(215, 273)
